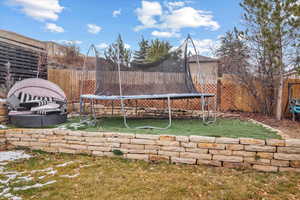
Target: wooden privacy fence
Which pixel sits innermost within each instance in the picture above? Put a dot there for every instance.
(235, 97)
(230, 95)
(70, 82)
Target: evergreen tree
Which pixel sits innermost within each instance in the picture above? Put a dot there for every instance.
(111, 53)
(141, 55)
(157, 50)
(233, 53)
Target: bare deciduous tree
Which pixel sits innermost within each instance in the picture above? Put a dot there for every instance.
(71, 56)
(236, 59)
(273, 30)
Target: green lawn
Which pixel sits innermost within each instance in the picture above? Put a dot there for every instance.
(223, 127)
(113, 178)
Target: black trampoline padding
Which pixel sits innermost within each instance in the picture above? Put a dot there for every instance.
(37, 121)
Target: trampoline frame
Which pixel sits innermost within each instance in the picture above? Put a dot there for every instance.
(92, 97)
(169, 97)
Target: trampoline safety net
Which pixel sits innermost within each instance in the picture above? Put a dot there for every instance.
(166, 77)
(169, 74)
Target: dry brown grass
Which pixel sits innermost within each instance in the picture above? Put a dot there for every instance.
(114, 178)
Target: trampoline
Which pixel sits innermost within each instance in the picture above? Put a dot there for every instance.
(167, 78)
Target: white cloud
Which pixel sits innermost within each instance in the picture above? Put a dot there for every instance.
(188, 17)
(54, 28)
(39, 9)
(102, 45)
(93, 28)
(175, 4)
(165, 34)
(173, 18)
(127, 46)
(147, 13)
(116, 13)
(68, 42)
(203, 46)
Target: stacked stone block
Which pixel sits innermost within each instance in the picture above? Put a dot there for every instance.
(269, 155)
(2, 140)
(3, 113)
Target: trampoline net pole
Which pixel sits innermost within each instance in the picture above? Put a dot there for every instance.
(83, 76)
(205, 113)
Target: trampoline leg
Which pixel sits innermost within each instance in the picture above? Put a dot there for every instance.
(294, 117)
(136, 113)
(205, 117)
(93, 109)
(203, 108)
(214, 115)
(149, 127)
(80, 108)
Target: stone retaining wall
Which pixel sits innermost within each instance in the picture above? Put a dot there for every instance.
(3, 113)
(2, 140)
(269, 155)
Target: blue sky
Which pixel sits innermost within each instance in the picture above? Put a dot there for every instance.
(100, 21)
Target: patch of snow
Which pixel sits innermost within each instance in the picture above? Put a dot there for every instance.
(83, 166)
(41, 177)
(62, 127)
(52, 172)
(3, 163)
(12, 197)
(25, 178)
(37, 185)
(42, 170)
(11, 172)
(70, 176)
(64, 164)
(5, 191)
(15, 177)
(3, 126)
(9, 178)
(77, 125)
(13, 155)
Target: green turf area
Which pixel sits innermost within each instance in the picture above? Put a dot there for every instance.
(223, 127)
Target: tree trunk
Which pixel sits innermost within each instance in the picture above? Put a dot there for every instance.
(279, 96)
(280, 86)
